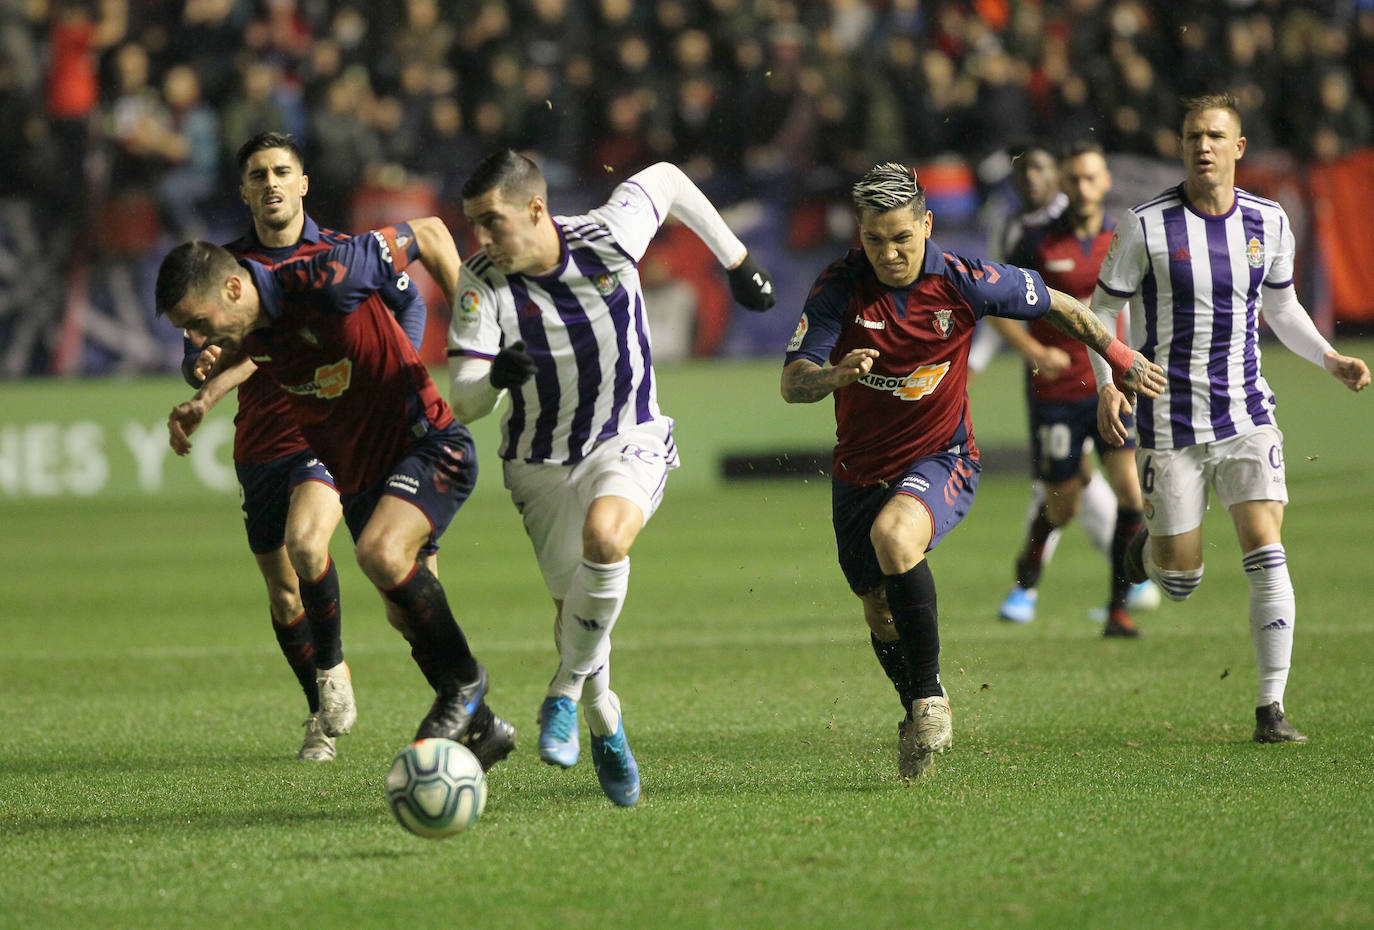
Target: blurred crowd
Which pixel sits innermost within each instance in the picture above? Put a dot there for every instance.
(121, 117)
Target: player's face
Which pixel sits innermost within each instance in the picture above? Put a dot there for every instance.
(273, 186)
(895, 243)
(1086, 182)
(508, 231)
(1037, 178)
(1212, 144)
(217, 317)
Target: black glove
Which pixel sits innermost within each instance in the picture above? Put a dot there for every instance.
(751, 285)
(512, 366)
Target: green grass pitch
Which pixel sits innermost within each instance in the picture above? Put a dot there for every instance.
(148, 725)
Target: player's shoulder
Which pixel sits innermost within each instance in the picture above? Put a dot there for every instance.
(1246, 199)
(480, 272)
(591, 229)
(842, 274)
(1164, 200)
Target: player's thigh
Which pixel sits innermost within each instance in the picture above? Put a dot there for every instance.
(265, 497)
(1250, 468)
(390, 542)
(623, 475)
(1173, 486)
(943, 486)
(552, 512)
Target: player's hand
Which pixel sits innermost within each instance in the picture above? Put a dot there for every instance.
(751, 285)
(855, 364)
(512, 366)
(1350, 371)
(1051, 362)
(1143, 377)
(182, 423)
(1112, 405)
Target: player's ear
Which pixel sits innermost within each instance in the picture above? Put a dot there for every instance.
(305, 184)
(537, 207)
(1240, 148)
(233, 287)
(243, 193)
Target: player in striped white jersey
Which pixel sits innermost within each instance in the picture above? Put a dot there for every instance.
(551, 309)
(1197, 264)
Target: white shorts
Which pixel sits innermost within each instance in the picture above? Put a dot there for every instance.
(1241, 468)
(553, 499)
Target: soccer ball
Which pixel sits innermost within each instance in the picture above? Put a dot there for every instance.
(436, 788)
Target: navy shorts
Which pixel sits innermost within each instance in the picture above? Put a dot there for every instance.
(944, 482)
(437, 475)
(1058, 432)
(265, 490)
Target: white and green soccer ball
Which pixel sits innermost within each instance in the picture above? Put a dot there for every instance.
(436, 788)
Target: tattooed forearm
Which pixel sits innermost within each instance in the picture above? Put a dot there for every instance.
(1074, 318)
(805, 382)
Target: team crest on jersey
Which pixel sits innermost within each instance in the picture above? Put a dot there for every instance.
(330, 381)
(469, 302)
(1254, 252)
(606, 283)
(799, 335)
(308, 336)
(943, 324)
(914, 386)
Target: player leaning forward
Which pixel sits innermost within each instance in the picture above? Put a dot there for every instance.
(894, 321)
(551, 309)
(363, 400)
(1196, 264)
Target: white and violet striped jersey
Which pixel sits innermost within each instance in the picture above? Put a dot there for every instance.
(1196, 285)
(584, 324)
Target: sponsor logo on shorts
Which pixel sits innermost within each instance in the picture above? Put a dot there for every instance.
(403, 483)
(330, 381)
(915, 483)
(914, 386)
(634, 451)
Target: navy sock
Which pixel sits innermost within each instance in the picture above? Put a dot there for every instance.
(911, 598)
(892, 658)
(437, 642)
(1128, 523)
(294, 640)
(321, 601)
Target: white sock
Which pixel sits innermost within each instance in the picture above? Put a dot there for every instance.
(601, 704)
(590, 609)
(1097, 512)
(1272, 616)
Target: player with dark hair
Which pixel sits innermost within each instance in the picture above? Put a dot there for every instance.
(1061, 393)
(363, 400)
(290, 504)
(1197, 265)
(886, 329)
(552, 310)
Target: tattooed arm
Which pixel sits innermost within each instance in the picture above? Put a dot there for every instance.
(805, 382)
(1074, 318)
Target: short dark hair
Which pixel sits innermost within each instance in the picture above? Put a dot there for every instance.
(509, 172)
(269, 140)
(191, 267)
(1082, 147)
(1220, 101)
(887, 187)
(1019, 153)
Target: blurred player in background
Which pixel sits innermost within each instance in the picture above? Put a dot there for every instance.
(894, 321)
(290, 504)
(552, 310)
(362, 398)
(1196, 265)
(1061, 392)
(1035, 175)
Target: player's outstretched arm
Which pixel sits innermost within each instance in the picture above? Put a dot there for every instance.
(232, 371)
(1073, 317)
(1046, 361)
(1350, 371)
(438, 253)
(805, 382)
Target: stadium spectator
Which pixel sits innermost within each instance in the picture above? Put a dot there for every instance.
(551, 310)
(1194, 263)
(192, 150)
(886, 329)
(402, 465)
(290, 503)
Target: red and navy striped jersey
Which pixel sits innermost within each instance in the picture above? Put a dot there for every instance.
(355, 384)
(914, 401)
(1069, 264)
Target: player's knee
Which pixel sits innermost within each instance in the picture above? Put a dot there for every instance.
(308, 557)
(898, 548)
(383, 560)
(1176, 585)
